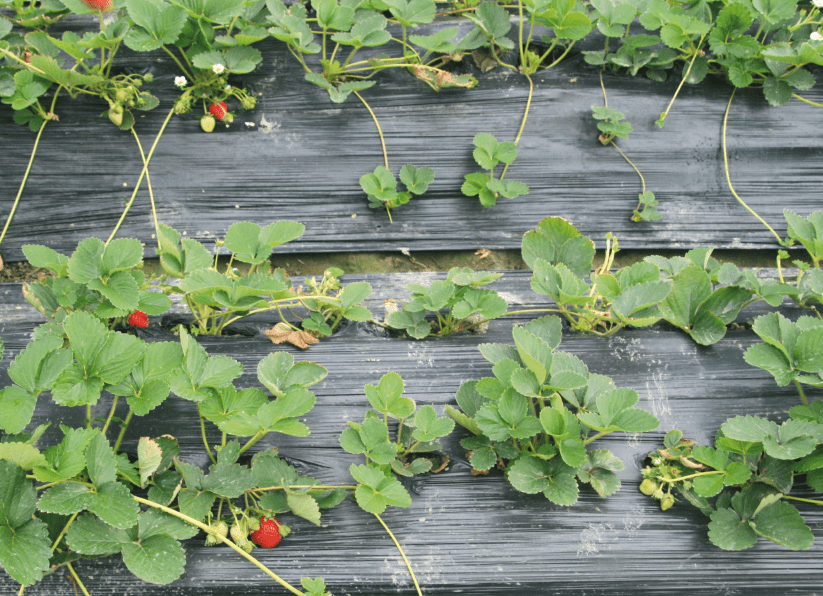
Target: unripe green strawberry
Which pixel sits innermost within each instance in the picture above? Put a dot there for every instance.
(666, 503)
(207, 123)
(148, 77)
(116, 115)
(648, 487)
(212, 540)
(221, 528)
(121, 95)
(246, 545)
(254, 524)
(239, 533)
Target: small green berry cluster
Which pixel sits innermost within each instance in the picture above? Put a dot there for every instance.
(668, 466)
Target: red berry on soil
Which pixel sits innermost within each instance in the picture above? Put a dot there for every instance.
(268, 536)
(139, 319)
(219, 110)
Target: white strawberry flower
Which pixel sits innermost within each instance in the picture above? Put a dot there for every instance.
(180, 81)
(818, 3)
(218, 68)
(816, 36)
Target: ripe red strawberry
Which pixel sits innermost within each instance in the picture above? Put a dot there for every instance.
(219, 110)
(139, 319)
(268, 536)
(99, 4)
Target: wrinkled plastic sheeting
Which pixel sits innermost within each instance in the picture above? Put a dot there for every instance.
(465, 534)
(299, 156)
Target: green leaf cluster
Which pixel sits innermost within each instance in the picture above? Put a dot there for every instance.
(417, 435)
(751, 471)
(104, 280)
(461, 295)
(693, 292)
(488, 154)
(538, 413)
(381, 186)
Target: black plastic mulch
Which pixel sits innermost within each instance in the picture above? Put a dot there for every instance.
(466, 534)
(299, 156)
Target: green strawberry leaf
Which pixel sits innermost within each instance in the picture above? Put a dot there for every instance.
(25, 547)
(377, 490)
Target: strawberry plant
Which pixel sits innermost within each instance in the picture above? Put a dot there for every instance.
(209, 42)
(219, 299)
(468, 305)
(381, 186)
(681, 290)
(351, 26)
(611, 126)
(539, 412)
(105, 280)
(748, 474)
(82, 498)
(417, 434)
(567, 23)
(488, 154)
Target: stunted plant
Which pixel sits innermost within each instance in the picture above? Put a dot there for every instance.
(467, 306)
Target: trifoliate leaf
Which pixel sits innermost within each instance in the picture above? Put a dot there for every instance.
(599, 470)
(303, 505)
(114, 505)
(157, 559)
(782, 523)
(729, 532)
(24, 542)
(65, 499)
(377, 490)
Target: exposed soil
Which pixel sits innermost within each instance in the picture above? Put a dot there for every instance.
(396, 262)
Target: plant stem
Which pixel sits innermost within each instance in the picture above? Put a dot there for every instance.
(203, 434)
(123, 430)
(812, 501)
(64, 530)
(642, 180)
(801, 392)
(382, 140)
(523, 123)
(402, 554)
(143, 173)
(690, 476)
(379, 130)
(148, 183)
(225, 541)
(728, 176)
(682, 81)
(819, 105)
(28, 169)
(320, 487)
(111, 414)
(77, 579)
(180, 64)
(252, 441)
(595, 437)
